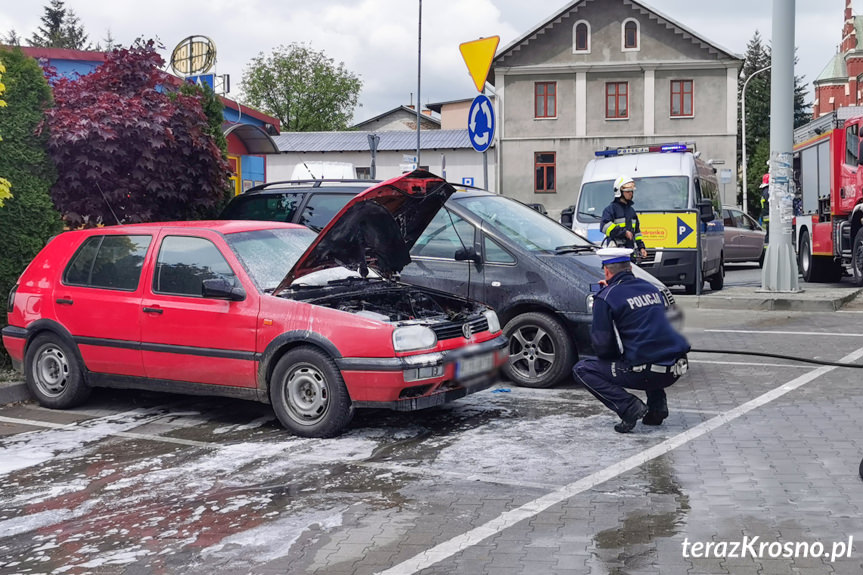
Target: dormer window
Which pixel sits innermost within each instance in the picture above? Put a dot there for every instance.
(581, 37)
(631, 35)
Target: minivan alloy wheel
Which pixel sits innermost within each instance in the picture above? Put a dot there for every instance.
(541, 352)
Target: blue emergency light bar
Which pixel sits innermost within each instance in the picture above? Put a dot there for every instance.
(644, 150)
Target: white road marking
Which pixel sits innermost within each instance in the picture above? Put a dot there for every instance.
(126, 434)
(533, 508)
(768, 332)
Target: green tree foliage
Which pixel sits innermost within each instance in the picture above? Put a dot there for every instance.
(127, 151)
(213, 110)
(60, 29)
(4, 183)
(303, 88)
(758, 117)
(28, 219)
(11, 38)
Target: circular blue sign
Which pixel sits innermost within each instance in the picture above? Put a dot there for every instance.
(480, 123)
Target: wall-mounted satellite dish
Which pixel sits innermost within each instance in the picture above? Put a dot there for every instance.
(193, 55)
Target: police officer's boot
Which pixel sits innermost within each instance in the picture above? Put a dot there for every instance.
(630, 417)
(657, 408)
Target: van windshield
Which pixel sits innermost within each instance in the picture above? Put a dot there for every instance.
(651, 195)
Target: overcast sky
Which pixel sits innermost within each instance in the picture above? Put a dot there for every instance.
(377, 39)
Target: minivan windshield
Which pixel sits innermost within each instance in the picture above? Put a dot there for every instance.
(652, 194)
(523, 225)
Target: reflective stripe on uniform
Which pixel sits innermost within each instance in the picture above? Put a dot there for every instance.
(607, 228)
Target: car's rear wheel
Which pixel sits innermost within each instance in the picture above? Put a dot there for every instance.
(717, 281)
(309, 395)
(53, 373)
(541, 352)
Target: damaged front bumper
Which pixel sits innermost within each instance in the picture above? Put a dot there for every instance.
(395, 382)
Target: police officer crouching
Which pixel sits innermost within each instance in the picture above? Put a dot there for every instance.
(636, 346)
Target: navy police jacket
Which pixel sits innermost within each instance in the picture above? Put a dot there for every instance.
(618, 218)
(637, 310)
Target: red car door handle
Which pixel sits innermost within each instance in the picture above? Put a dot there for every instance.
(64, 301)
(152, 310)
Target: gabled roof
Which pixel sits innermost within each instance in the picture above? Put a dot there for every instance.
(651, 13)
(395, 140)
(412, 111)
(438, 106)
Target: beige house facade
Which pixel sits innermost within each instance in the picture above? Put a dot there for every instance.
(608, 73)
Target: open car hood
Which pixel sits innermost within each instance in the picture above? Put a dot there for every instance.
(377, 228)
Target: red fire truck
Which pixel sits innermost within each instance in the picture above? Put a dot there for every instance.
(828, 173)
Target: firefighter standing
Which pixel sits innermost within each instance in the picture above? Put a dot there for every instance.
(636, 346)
(619, 221)
(765, 200)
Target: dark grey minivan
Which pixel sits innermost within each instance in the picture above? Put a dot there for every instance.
(534, 272)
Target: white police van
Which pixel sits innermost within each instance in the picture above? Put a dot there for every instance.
(677, 201)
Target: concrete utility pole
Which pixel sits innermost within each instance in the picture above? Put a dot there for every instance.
(780, 264)
(419, 75)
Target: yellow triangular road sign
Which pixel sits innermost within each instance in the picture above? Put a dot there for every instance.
(478, 55)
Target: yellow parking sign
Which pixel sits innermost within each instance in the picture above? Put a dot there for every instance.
(669, 229)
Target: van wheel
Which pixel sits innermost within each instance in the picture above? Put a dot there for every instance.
(309, 395)
(53, 373)
(857, 258)
(717, 281)
(540, 350)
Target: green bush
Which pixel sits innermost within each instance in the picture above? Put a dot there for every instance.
(27, 219)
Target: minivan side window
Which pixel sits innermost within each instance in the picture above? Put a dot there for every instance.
(266, 207)
(184, 263)
(109, 262)
(444, 235)
(321, 208)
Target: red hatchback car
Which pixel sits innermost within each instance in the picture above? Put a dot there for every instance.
(315, 324)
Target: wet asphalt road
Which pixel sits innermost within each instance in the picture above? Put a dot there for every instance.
(509, 480)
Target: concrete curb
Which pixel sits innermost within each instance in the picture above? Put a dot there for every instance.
(817, 300)
(12, 391)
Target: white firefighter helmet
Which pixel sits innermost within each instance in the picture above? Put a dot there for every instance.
(620, 182)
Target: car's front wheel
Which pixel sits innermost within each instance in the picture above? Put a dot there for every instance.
(541, 352)
(53, 373)
(309, 395)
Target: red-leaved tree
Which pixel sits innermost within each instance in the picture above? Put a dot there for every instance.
(127, 151)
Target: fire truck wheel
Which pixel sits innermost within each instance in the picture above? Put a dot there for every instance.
(816, 269)
(857, 258)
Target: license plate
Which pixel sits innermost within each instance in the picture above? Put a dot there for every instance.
(471, 366)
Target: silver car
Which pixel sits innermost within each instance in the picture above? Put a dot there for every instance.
(744, 238)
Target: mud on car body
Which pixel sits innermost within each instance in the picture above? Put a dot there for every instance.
(315, 324)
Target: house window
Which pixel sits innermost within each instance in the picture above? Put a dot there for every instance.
(546, 99)
(616, 100)
(364, 173)
(630, 35)
(681, 98)
(544, 169)
(581, 37)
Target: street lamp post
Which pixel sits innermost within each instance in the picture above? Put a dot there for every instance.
(743, 123)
